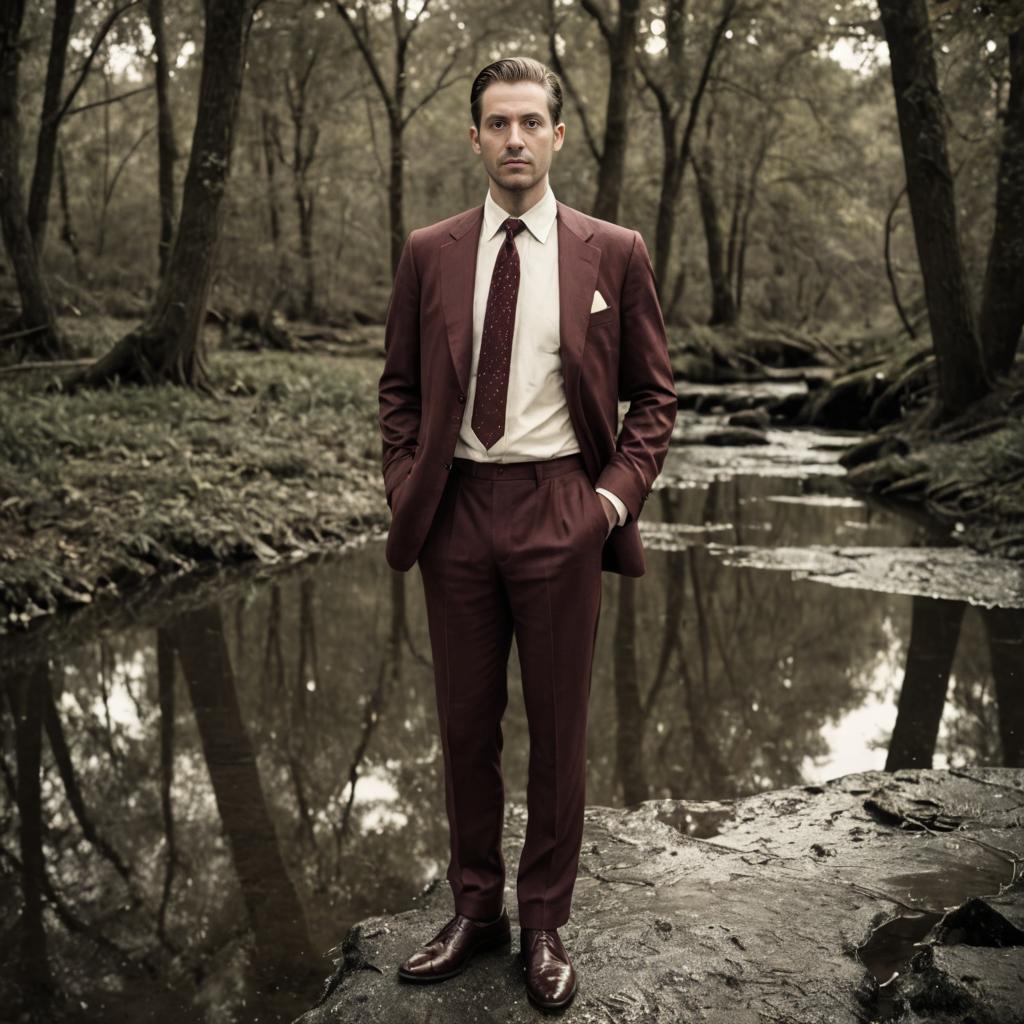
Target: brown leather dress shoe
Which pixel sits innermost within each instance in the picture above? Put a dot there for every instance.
(550, 977)
(448, 952)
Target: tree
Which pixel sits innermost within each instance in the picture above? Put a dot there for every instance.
(37, 324)
(919, 110)
(1002, 306)
(167, 152)
(667, 76)
(406, 19)
(56, 108)
(723, 301)
(167, 346)
(620, 39)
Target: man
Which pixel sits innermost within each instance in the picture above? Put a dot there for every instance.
(513, 331)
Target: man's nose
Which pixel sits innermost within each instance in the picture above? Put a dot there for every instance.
(514, 139)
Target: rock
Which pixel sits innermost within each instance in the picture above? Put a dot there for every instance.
(730, 436)
(760, 919)
(953, 573)
(789, 408)
(873, 447)
(958, 984)
(756, 419)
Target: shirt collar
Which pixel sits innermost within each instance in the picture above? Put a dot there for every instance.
(538, 218)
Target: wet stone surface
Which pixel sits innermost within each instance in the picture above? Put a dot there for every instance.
(771, 918)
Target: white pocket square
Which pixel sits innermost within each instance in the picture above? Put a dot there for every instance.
(598, 303)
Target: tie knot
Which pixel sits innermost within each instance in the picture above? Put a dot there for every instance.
(512, 226)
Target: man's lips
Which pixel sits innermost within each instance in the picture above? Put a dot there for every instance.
(516, 163)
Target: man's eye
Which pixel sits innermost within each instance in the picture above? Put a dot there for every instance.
(497, 124)
(533, 123)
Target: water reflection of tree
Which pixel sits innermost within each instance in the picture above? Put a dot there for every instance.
(25, 685)
(983, 650)
(736, 671)
(274, 911)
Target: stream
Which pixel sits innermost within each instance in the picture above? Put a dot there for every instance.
(225, 788)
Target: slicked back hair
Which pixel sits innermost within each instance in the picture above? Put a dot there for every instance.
(517, 69)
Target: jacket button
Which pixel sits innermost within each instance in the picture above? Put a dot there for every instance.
(462, 398)
(446, 465)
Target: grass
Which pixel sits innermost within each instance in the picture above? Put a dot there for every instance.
(101, 489)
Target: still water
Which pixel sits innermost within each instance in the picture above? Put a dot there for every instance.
(220, 796)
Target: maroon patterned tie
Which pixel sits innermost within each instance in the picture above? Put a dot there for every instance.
(496, 343)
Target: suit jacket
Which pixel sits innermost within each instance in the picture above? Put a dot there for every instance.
(618, 353)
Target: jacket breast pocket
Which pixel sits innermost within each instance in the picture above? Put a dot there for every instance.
(603, 316)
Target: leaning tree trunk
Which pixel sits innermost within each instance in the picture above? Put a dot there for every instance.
(1002, 304)
(166, 151)
(49, 123)
(622, 64)
(167, 346)
(919, 110)
(37, 323)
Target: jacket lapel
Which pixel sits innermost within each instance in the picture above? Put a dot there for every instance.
(578, 263)
(458, 274)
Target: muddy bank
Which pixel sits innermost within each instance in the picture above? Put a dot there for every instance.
(871, 896)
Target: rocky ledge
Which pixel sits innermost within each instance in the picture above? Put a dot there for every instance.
(872, 897)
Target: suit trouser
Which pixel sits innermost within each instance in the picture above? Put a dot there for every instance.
(514, 548)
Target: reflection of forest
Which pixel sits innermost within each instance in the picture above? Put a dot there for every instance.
(221, 797)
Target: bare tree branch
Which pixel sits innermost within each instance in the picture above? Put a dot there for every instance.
(362, 41)
(110, 99)
(595, 11)
(589, 135)
(83, 71)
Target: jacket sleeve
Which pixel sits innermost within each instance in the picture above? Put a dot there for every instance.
(646, 382)
(399, 386)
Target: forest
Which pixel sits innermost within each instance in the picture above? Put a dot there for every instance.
(220, 749)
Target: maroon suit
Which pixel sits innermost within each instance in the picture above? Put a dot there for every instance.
(513, 548)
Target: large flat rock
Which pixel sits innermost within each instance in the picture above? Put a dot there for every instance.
(800, 905)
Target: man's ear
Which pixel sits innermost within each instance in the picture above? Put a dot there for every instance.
(474, 138)
(559, 135)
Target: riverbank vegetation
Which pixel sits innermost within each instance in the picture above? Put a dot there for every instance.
(105, 488)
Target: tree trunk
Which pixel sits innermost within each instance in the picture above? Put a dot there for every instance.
(890, 271)
(268, 129)
(396, 205)
(46, 143)
(44, 339)
(958, 354)
(166, 150)
(621, 66)
(304, 202)
(1002, 305)
(167, 346)
(67, 230)
(671, 178)
(723, 306)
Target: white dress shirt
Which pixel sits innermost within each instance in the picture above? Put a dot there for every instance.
(537, 423)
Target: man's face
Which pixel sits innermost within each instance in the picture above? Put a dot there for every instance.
(516, 138)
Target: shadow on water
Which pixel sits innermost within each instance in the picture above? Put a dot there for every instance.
(197, 811)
